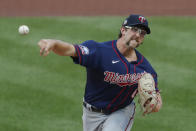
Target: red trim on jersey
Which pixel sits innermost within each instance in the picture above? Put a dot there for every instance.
(130, 119)
(127, 73)
(140, 61)
(138, 64)
(123, 99)
(134, 68)
(80, 59)
(120, 57)
(115, 98)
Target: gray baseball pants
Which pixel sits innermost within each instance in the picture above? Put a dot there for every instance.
(121, 120)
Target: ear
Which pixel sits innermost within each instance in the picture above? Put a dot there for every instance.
(123, 30)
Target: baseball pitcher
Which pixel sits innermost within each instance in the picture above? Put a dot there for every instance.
(116, 72)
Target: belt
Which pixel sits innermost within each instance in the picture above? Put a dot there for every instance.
(94, 109)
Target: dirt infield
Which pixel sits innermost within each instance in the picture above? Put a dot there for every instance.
(96, 7)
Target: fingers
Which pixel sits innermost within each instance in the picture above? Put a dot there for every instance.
(46, 51)
(42, 50)
(44, 47)
(41, 44)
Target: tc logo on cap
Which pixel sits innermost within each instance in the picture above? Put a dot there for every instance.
(142, 19)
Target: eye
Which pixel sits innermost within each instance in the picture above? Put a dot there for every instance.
(135, 29)
(143, 32)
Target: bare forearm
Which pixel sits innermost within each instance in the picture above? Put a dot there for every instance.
(64, 48)
(59, 47)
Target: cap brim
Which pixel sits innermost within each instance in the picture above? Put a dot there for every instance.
(145, 27)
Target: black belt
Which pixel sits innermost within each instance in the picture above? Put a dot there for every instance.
(94, 109)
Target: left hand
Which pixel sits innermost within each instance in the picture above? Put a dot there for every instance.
(159, 103)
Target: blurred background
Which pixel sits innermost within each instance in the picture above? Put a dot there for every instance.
(45, 93)
(96, 7)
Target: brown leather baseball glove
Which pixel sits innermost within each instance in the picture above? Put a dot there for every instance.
(147, 93)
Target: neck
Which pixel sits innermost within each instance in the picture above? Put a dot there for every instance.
(126, 51)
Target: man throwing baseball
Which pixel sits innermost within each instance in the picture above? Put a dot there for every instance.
(113, 71)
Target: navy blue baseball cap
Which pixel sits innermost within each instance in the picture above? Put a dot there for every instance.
(137, 20)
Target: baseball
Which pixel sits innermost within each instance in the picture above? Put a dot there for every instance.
(23, 30)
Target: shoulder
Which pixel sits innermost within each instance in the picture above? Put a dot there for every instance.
(92, 43)
(89, 42)
(147, 63)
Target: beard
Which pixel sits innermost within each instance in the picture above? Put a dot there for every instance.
(133, 43)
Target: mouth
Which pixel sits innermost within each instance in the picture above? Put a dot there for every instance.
(133, 43)
(137, 40)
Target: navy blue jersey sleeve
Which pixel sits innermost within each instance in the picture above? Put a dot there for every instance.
(88, 54)
(151, 70)
(156, 81)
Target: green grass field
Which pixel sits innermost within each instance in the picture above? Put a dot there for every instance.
(45, 94)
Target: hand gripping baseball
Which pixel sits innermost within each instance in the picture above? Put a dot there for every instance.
(46, 45)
